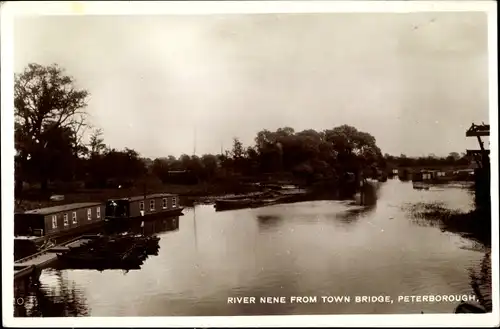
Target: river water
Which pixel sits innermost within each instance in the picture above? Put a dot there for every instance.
(315, 248)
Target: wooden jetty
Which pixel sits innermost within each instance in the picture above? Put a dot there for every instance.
(37, 229)
(31, 264)
(123, 251)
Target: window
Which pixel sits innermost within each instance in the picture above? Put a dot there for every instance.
(98, 212)
(174, 202)
(74, 220)
(141, 206)
(66, 220)
(54, 221)
(164, 203)
(89, 214)
(152, 205)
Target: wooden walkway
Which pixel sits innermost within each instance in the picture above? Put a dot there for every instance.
(25, 266)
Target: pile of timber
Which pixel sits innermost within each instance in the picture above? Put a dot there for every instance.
(112, 252)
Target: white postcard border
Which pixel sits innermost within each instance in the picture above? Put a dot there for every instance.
(10, 10)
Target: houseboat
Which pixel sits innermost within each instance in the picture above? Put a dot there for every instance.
(161, 204)
(34, 229)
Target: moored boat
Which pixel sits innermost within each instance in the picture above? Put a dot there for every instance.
(230, 204)
(40, 228)
(153, 205)
(264, 199)
(126, 251)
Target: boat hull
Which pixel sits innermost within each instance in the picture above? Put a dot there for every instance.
(233, 204)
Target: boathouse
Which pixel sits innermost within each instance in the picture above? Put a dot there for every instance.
(153, 203)
(144, 205)
(57, 219)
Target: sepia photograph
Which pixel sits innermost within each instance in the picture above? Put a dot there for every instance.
(165, 162)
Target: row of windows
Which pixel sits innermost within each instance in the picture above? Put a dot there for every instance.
(163, 204)
(74, 218)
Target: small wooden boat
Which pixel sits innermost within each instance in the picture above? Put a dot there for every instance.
(265, 199)
(230, 204)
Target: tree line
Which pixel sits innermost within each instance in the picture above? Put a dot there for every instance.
(50, 122)
(454, 159)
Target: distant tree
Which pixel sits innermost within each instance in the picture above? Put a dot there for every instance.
(96, 144)
(237, 151)
(210, 165)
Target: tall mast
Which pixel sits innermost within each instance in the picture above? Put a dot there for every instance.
(194, 141)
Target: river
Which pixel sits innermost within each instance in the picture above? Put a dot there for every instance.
(316, 248)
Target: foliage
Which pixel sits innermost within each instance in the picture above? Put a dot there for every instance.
(50, 120)
(453, 159)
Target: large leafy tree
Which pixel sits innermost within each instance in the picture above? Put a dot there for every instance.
(49, 122)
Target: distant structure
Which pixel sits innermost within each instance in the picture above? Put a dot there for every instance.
(482, 159)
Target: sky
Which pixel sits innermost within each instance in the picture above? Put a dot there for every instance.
(168, 85)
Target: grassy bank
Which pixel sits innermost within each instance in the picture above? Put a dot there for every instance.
(474, 225)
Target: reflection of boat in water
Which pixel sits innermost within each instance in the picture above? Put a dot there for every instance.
(146, 227)
(420, 186)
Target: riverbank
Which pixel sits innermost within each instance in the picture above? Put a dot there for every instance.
(189, 194)
(34, 199)
(474, 225)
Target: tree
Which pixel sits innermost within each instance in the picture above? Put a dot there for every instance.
(48, 110)
(210, 165)
(355, 151)
(237, 151)
(96, 144)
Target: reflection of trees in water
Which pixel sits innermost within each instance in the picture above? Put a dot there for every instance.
(369, 194)
(351, 215)
(367, 203)
(63, 300)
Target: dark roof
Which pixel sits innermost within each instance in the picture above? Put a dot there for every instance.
(61, 208)
(149, 196)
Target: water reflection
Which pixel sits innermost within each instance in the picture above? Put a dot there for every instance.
(481, 282)
(146, 227)
(364, 203)
(303, 249)
(267, 221)
(59, 299)
(474, 224)
(59, 296)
